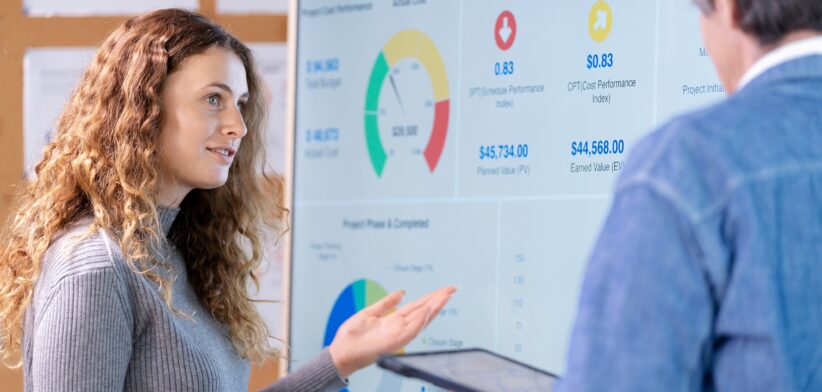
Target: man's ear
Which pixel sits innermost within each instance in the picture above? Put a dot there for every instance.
(728, 13)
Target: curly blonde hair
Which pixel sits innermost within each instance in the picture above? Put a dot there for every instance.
(103, 163)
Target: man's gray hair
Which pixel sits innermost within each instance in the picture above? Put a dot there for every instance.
(771, 20)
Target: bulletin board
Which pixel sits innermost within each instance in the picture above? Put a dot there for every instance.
(19, 32)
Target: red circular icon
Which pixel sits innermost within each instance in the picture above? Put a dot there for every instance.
(505, 31)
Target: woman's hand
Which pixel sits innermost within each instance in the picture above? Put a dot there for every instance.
(378, 329)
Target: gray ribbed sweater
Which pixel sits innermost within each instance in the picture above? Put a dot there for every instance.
(95, 325)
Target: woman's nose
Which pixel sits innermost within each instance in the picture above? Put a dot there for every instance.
(234, 125)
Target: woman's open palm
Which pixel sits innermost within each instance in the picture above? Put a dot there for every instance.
(379, 329)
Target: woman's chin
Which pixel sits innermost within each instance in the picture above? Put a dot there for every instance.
(213, 183)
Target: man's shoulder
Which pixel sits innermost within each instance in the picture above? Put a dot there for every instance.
(700, 157)
(696, 157)
(704, 131)
(784, 98)
(681, 153)
(755, 126)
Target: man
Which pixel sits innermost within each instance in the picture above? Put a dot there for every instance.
(708, 272)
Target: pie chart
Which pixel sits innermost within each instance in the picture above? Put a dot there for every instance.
(354, 297)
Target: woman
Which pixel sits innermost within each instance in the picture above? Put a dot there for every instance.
(127, 264)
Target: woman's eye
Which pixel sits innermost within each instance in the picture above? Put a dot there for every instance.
(213, 100)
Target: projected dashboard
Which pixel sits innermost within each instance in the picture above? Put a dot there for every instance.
(472, 143)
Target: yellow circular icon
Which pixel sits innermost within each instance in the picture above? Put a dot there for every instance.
(599, 21)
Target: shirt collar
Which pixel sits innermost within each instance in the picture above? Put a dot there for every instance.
(783, 54)
(167, 216)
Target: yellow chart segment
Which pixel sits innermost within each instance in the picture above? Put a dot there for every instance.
(415, 44)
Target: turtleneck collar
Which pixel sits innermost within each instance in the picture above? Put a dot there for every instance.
(167, 216)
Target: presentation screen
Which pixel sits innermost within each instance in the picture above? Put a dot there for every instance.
(476, 144)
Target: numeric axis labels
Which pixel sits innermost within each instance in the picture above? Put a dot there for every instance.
(544, 247)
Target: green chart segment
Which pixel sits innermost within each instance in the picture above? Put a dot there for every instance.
(407, 44)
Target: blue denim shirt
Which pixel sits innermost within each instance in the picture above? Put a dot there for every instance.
(707, 274)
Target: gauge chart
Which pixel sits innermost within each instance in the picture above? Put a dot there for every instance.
(407, 91)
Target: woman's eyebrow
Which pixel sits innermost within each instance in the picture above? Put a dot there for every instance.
(225, 87)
